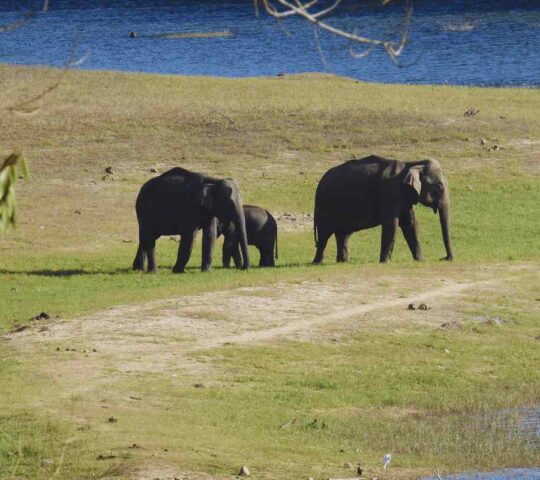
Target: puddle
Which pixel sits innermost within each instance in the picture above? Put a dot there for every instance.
(505, 474)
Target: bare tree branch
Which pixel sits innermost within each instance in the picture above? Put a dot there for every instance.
(28, 106)
(10, 27)
(305, 11)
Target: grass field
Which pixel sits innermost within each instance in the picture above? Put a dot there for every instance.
(295, 371)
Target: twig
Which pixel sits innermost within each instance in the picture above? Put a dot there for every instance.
(437, 473)
(22, 107)
(296, 7)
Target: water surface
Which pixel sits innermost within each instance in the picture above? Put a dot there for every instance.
(460, 42)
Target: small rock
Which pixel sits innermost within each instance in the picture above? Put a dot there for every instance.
(134, 445)
(132, 34)
(359, 470)
(469, 187)
(109, 170)
(411, 306)
(94, 350)
(153, 170)
(244, 471)
(493, 321)
(47, 462)
(471, 112)
(41, 316)
(446, 350)
(77, 212)
(113, 420)
(13, 289)
(423, 306)
(347, 465)
(482, 141)
(199, 385)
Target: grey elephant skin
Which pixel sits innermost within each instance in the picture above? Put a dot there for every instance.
(180, 202)
(372, 191)
(261, 228)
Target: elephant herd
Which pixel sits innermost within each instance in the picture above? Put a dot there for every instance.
(353, 196)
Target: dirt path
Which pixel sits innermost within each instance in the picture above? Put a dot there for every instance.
(303, 323)
(160, 336)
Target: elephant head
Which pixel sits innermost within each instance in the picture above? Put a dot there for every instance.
(429, 187)
(223, 200)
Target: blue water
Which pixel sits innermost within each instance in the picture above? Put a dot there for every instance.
(499, 46)
(505, 474)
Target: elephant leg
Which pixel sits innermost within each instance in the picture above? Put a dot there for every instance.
(237, 257)
(184, 250)
(388, 238)
(268, 253)
(322, 239)
(410, 228)
(140, 256)
(342, 248)
(209, 237)
(148, 246)
(226, 255)
(264, 259)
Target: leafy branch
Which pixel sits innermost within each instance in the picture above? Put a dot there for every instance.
(12, 166)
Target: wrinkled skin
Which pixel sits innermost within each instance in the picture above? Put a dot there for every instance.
(180, 202)
(372, 191)
(261, 228)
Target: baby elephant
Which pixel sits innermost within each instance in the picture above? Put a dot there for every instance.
(261, 229)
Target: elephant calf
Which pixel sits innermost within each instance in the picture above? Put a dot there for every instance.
(261, 228)
(361, 194)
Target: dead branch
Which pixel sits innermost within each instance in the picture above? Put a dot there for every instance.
(28, 107)
(26, 16)
(285, 8)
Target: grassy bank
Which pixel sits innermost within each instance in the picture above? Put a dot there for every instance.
(383, 385)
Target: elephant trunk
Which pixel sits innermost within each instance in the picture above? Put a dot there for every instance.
(444, 217)
(240, 224)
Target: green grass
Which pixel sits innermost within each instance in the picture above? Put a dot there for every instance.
(387, 386)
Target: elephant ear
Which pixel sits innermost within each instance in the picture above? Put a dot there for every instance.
(412, 179)
(206, 197)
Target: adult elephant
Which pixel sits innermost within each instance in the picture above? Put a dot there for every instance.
(372, 191)
(180, 202)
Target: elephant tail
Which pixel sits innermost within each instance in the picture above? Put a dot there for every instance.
(315, 233)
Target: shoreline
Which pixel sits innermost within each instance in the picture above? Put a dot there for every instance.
(319, 74)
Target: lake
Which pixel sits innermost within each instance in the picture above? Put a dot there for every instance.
(491, 43)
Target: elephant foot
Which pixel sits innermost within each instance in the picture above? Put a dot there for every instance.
(177, 269)
(206, 269)
(153, 270)
(446, 259)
